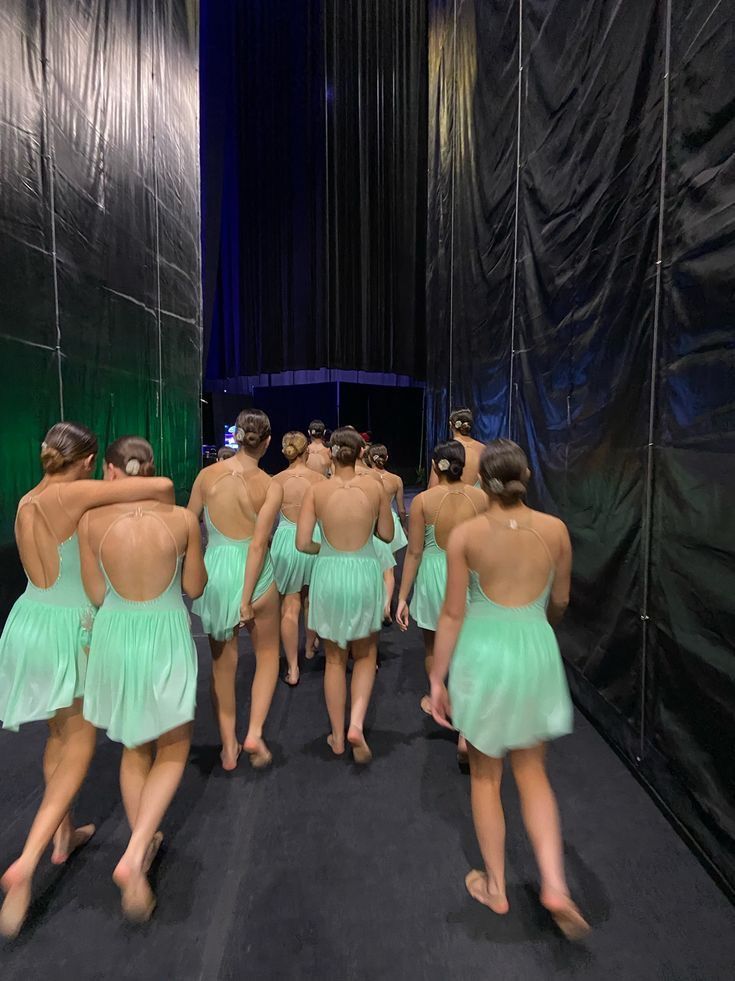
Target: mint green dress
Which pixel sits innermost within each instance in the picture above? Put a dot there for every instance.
(431, 583)
(225, 558)
(292, 569)
(43, 648)
(347, 593)
(142, 671)
(399, 538)
(507, 685)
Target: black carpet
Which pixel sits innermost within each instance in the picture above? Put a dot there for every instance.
(316, 869)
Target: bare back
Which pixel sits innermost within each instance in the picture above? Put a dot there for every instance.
(473, 449)
(233, 496)
(42, 524)
(516, 556)
(449, 505)
(392, 483)
(295, 482)
(319, 459)
(348, 511)
(137, 547)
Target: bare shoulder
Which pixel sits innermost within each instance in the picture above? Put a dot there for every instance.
(552, 528)
(315, 478)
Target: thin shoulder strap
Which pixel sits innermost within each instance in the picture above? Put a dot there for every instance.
(36, 503)
(136, 513)
(62, 505)
(243, 480)
(464, 494)
(543, 542)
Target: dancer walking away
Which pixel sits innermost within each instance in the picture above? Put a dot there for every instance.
(434, 515)
(507, 688)
(318, 458)
(377, 456)
(240, 504)
(346, 596)
(43, 649)
(293, 568)
(142, 673)
(461, 422)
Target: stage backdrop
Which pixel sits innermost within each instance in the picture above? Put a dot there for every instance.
(581, 245)
(313, 187)
(99, 232)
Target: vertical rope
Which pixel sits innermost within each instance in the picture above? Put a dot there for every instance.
(451, 205)
(50, 155)
(511, 380)
(327, 240)
(159, 396)
(650, 459)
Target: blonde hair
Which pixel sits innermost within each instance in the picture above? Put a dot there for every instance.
(66, 443)
(294, 445)
(133, 455)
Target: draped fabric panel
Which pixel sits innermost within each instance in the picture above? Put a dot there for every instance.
(314, 163)
(99, 231)
(582, 304)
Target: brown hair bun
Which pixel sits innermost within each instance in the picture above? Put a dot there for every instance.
(504, 471)
(66, 443)
(252, 428)
(133, 455)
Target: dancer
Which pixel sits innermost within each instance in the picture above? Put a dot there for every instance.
(142, 673)
(346, 596)
(507, 688)
(318, 458)
(377, 455)
(461, 422)
(44, 645)
(292, 568)
(240, 504)
(434, 515)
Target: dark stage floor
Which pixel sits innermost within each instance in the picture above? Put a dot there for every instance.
(319, 870)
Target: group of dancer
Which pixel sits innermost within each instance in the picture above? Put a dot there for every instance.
(101, 637)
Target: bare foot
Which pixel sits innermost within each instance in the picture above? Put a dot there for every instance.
(478, 887)
(230, 757)
(66, 842)
(426, 705)
(291, 677)
(16, 884)
(360, 749)
(565, 914)
(138, 901)
(311, 651)
(335, 745)
(153, 849)
(260, 755)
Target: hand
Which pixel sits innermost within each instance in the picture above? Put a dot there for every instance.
(441, 708)
(402, 615)
(247, 617)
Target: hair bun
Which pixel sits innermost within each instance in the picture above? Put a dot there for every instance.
(290, 452)
(251, 439)
(132, 467)
(52, 460)
(456, 470)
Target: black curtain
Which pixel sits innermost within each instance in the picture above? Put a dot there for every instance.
(581, 301)
(313, 172)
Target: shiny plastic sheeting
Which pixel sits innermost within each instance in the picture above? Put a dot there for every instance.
(99, 229)
(579, 325)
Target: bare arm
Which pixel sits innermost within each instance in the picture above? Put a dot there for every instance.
(196, 498)
(400, 501)
(385, 529)
(92, 578)
(306, 525)
(559, 599)
(81, 495)
(450, 624)
(259, 544)
(416, 529)
(194, 575)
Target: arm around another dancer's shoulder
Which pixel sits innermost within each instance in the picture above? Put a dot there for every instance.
(194, 572)
(82, 495)
(414, 555)
(450, 622)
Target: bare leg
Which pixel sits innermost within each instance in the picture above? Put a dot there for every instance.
(266, 641)
(75, 751)
(389, 579)
(429, 636)
(290, 614)
(224, 673)
(335, 693)
(51, 757)
(172, 752)
(488, 887)
(364, 654)
(135, 767)
(312, 641)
